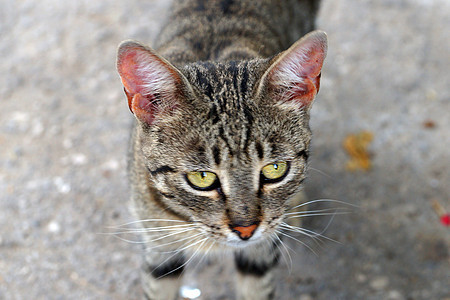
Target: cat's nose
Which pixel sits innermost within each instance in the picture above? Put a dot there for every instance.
(244, 232)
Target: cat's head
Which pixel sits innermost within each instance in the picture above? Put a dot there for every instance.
(225, 144)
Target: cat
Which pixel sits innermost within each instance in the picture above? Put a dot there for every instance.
(221, 139)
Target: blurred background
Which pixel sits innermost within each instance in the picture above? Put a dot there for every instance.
(381, 141)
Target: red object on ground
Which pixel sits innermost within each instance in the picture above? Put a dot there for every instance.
(445, 220)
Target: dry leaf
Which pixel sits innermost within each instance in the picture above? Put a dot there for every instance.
(356, 146)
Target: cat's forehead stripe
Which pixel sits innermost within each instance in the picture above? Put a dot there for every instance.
(244, 78)
(203, 82)
(216, 154)
(259, 149)
(222, 82)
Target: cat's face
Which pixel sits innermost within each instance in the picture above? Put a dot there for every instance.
(225, 144)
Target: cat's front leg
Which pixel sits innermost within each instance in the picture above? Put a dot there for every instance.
(255, 267)
(161, 275)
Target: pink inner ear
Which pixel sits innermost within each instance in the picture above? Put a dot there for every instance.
(305, 92)
(143, 108)
(128, 69)
(297, 74)
(312, 65)
(145, 77)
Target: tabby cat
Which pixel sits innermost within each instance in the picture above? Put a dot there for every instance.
(220, 145)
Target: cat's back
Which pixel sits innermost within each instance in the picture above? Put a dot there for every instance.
(221, 30)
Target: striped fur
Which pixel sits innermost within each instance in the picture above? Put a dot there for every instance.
(217, 96)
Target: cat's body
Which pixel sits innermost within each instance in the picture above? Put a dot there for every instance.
(221, 140)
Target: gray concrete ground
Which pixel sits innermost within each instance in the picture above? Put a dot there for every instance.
(64, 128)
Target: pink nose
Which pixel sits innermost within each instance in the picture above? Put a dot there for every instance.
(245, 232)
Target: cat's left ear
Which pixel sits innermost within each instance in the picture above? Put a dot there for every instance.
(293, 78)
(154, 87)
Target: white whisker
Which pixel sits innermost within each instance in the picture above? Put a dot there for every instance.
(186, 262)
(304, 244)
(156, 229)
(328, 225)
(150, 230)
(318, 214)
(188, 246)
(177, 241)
(116, 234)
(315, 211)
(207, 251)
(309, 233)
(279, 249)
(129, 241)
(189, 240)
(171, 234)
(150, 220)
(174, 252)
(320, 172)
(324, 200)
(287, 251)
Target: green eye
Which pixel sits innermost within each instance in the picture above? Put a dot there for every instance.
(201, 179)
(274, 171)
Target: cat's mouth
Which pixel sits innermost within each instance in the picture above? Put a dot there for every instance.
(233, 240)
(242, 244)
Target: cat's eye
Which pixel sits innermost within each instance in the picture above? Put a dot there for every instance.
(202, 180)
(275, 171)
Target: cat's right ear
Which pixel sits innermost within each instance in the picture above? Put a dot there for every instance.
(293, 78)
(153, 86)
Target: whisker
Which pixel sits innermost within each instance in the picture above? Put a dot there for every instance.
(321, 172)
(315, 238)
(278, 247)
(314, 235)
(186, 262)
(170, 226)
(175, 252)
(171, 234)
(315, 211)
(140, 231)
(188, 246)
(287, 251)
(323, 214)
(207, 251)
(295, 229)
(156, 229)
(190, 239)
(116, 235)
(129, 241)
(150, 220)
(177, 241)
(324, 200)
(328, 225)
(309, 233)
(304, 244)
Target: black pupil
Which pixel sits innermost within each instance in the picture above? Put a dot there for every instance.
(275, 166)
(203, 174)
